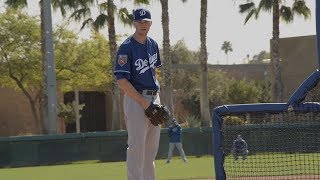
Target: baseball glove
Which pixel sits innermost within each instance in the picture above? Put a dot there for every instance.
(157, 114)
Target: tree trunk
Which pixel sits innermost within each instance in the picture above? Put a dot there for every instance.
(275, 55)
(38, 122)
(227, 59)
(113, 51)
(204, 99)
(166, 57)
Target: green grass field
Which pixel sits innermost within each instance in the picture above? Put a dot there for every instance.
(275, 164)
(196, 168)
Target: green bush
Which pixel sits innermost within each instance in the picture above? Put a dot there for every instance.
(192, 121)
(67, 112)
(233, 120)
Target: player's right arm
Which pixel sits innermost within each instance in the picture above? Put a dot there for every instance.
(127, 87)
(123, 74)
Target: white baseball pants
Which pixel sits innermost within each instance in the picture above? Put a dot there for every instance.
(143, 140)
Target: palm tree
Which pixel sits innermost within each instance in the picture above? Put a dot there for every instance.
(108, 11)
(279, 11)
(166, 55)
(57, 4)
(204, 99)
(226, 47)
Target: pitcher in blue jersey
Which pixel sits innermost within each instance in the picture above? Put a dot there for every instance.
(135, 70)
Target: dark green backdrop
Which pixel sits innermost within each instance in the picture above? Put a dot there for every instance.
(103, 146)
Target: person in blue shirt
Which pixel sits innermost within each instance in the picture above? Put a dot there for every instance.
(135, 71)
(174, 133)
(239, 147)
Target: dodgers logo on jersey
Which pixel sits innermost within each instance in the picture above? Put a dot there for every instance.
(142, 65)
(122, 60)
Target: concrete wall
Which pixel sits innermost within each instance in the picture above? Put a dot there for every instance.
(298, 61)
(15, 114)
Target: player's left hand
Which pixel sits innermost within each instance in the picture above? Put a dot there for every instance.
(157, 114)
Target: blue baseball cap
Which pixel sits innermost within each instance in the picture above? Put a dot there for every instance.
(141, 15)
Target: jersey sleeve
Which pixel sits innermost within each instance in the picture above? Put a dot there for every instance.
(122, 63)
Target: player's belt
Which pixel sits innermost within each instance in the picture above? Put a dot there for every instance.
(149, 92)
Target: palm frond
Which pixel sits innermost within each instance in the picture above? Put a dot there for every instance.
(286, 14)
(68, 4)
(249, 15)
(265, 5)
(17, 3)
(85, 3)
(100, 21)
(125, 17)
(299, 7)
(103, 6)
(87, 22)
(80, 14)
(57, 4)
(246, 8)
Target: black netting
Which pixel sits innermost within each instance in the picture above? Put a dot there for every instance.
(280, 145)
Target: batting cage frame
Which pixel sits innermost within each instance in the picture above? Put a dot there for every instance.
(295, 104)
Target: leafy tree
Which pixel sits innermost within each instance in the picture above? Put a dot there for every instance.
(233, 120)
(85, 65)
(240, 92)
(19, 4)
(258, 58)
(67, 112)
(108, 11)
(279, 11)
(204, 100)
(226, 47)
(183, 80)
(180, 54)
(186, 83)
(218, 82)
(20, 57)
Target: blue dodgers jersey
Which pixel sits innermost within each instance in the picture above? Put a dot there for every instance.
(240, 144)
(137, 62)
(175, 134)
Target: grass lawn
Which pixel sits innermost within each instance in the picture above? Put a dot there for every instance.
(274, 164)
(196, 168)
(267, 165)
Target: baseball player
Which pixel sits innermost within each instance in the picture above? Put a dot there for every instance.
(174, 132)
(135, 71)
(239, 147)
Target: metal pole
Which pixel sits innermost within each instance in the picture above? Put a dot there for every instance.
(50, 109)
(76, 108)
(318, 29)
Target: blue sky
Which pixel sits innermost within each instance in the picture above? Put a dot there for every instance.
(224, 23)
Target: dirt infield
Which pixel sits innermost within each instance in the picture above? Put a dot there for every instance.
(293, 177)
